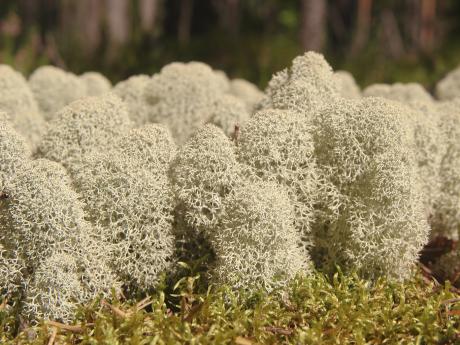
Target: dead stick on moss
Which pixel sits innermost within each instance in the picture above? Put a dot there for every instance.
(278, 330)
(3, 305)
(192, 312)
(116, 310)
(428, 275)
(236, 134)
(425, 269)
(450, 301)
(75, 329)
(144, 303)
(53, 336)
(242, 341)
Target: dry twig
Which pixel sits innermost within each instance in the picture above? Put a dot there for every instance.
(144, 303)
(116, 310)
(53, 336)
(242, 341)
(70, 328)
(3, 305)
(236, 134)
(278, 330)
(450, 301)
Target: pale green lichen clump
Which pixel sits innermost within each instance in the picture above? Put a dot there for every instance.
(278, 146)
(12, 269)
(248, 223)
(82, 127)
(14, 151)
(347, 86)
(43, 211)
(67, 279)
(96, 83)
(128, 197)
(306, 87)
(255, 242)
(43, 216)
(368, 187)
(54, 88)
(409, 93)
(17, 100)
(151, 147)
(229, 112)
(131, 91)
(204, 172)
(247, 92)
(184, 97)
(223, 80)
(423, 122)
(371, 218)
(447, 216)
(448, 88)
(54, 289)
(429, 149)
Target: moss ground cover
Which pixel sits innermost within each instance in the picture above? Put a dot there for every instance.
(342, 309)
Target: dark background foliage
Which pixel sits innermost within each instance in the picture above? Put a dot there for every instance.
(378, 41)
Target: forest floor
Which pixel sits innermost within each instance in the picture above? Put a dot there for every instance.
(343, 309)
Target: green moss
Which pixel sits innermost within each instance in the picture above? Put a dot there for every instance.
(314, 310)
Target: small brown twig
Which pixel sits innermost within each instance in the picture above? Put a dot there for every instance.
(428, 275)
(3, 305)
(278, 330)
(144, 303)
(115, 310)
(53, 336)
(242, 341)
(451, 300)
(236, 134)
(192, 312)
(70, 328)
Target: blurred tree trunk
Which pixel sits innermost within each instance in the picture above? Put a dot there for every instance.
(421, 24)
(443, 25)
(363, 26)
(148, 11)
(90, 16)
(228, 11)
(81, 21)
(336, 21)
(391, 35)
(412, 23)
(427, 27)
(185, 21)
(313, 24)
(31, 12)
(118, 21)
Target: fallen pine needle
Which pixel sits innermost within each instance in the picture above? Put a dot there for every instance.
(450, 301)
(53, 336)
(278, 330)
(144, 303)
(116, 310)
(70, 328)
(3, 305)
(242, 341)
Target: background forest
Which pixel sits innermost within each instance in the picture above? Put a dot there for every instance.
(378, 41)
